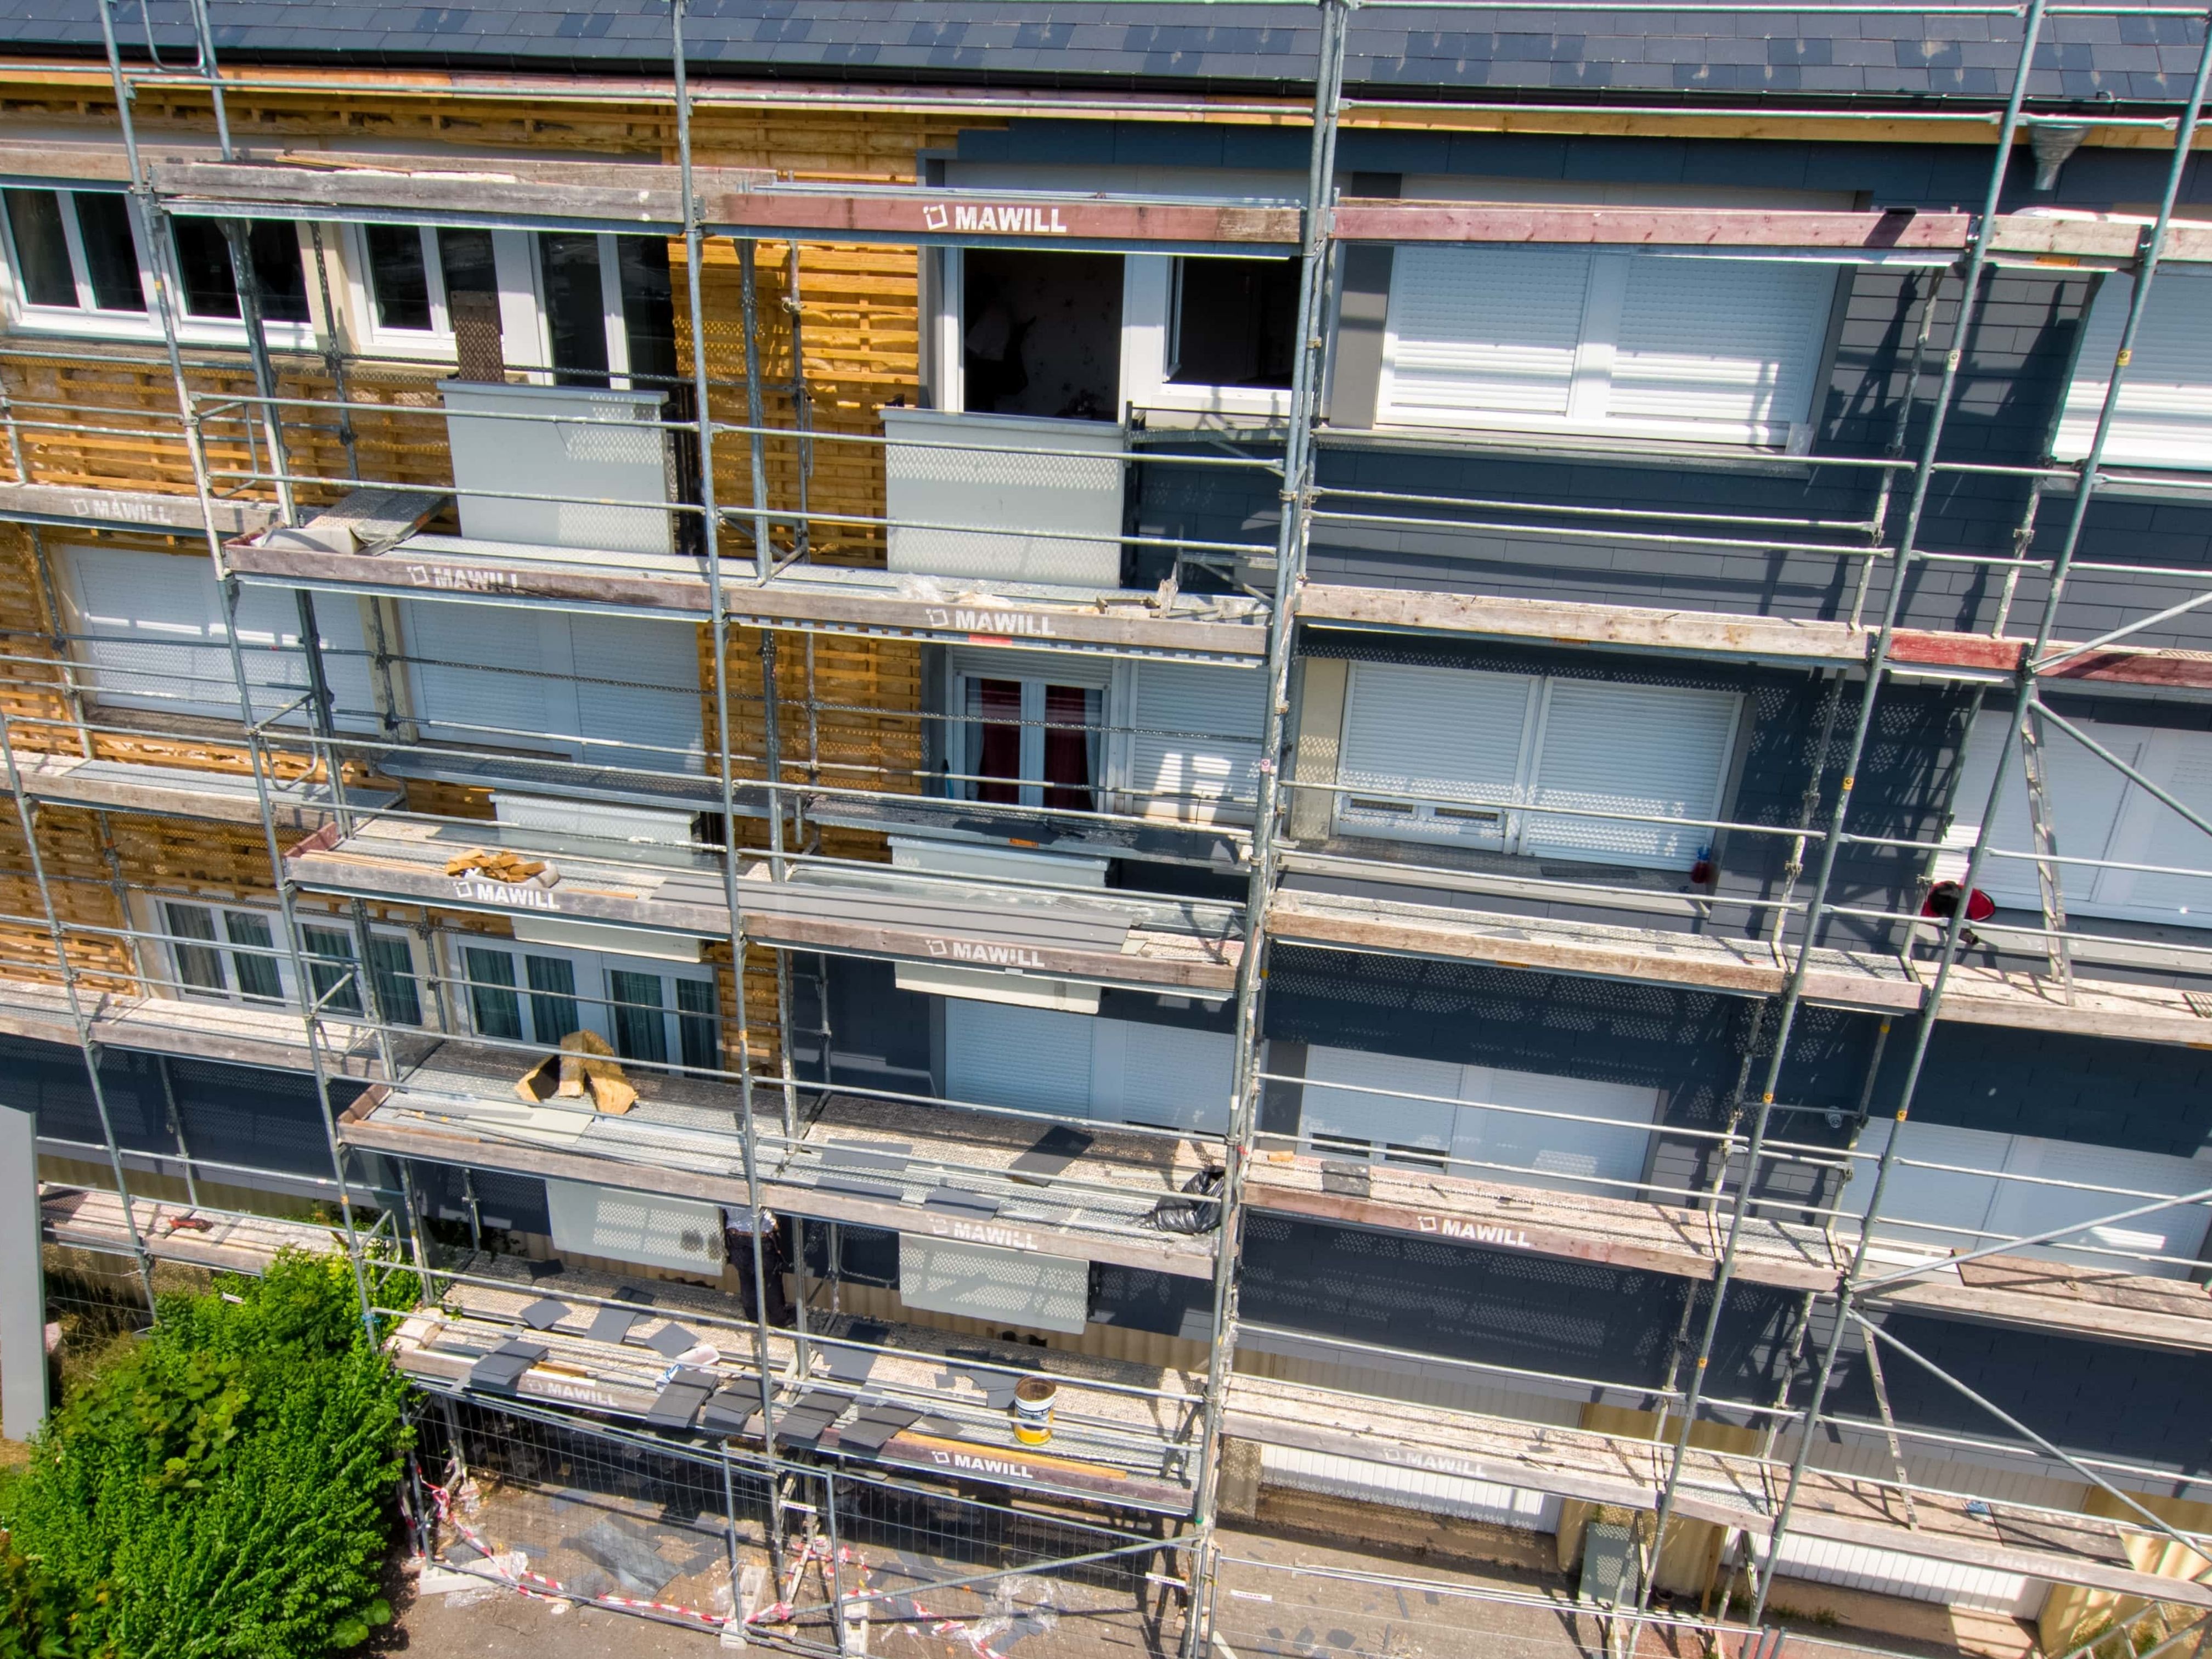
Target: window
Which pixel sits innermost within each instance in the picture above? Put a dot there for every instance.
(2164, 417)
(152, 635)
(232, 954)
(1453, 755)
(1040, 333)
(1210, 334)
(1566, 340)
(602, 307)
(79, 259)
(1025, 738)
(2095, 813)
(647, 1011)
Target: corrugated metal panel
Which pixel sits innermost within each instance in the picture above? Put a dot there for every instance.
(1438, 731)
(1003, 481)
(2165, 413)
(1167, 1076)
(600, 446)
(1020, 1287)
(1194, 751)
(1367, 1482)
(662, 1232)
(1657, 749)
(1483, 331)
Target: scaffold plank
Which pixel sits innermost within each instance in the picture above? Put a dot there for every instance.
(301, 804)
(131, 509)
(225, 1240)
(273, 1038)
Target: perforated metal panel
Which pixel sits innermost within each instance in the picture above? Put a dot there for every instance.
(974, 493)
(597, 446)
(1043, 1293)
(658, 1232)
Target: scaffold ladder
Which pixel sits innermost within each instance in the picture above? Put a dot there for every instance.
(2045, 842)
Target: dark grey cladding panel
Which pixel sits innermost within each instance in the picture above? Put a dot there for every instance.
(1498, 1308)
(263, 1119)
(2146, 1097)
(1692, 1044)
(51, 1079)
(878, 1034)
(505, 1201)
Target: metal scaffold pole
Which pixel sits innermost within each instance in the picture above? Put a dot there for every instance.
(1296, 499)
(1924, 472)
(1846, 1294)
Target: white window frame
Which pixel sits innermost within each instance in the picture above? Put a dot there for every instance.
(526, 338)
(593, 992)
(1590, 382)
(88, 321)
(1151, 295)
(961, 748)
(1436, 821)
(156, 923)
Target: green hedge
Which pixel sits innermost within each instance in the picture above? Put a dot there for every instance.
(222, 1491)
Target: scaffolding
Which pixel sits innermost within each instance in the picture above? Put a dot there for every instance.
(312, 766)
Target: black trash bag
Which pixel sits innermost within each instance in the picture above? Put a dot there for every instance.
(1190, 1216)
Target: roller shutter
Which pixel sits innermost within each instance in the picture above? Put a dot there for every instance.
(1194, 741)
(1636, 749)
(2165, 413)
(1039, 1060)
(1485, 331)
(1414, 733)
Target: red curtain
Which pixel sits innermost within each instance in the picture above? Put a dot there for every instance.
(1066, 747)
(998, 753)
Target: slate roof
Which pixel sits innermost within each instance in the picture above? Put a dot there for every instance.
(1886, 51)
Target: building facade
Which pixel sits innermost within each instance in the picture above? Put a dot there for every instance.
(1461, 761)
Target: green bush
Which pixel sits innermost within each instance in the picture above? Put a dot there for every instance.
(223, 1491)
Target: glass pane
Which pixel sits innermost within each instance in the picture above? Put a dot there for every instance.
(575, 306)
(273, 248)
(695, 1021)
(392, 973)
(464, 260)
(197, 968)
(641, 1029)
(996, 706)
(493, 1008)
(257, 974)
(328, 945)
(553, 1012)
(42, 261)
(397, 277)
(111, 252)
(649, 308)
(1068, 742)
(204, 268)
(1235, 322)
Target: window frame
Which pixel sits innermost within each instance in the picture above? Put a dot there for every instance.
(225, 945)
(526, 329)
(88, 321)
(594, 995)
(1151, 291)
(964, 745)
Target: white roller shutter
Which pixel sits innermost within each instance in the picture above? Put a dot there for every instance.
(1450, 732)
(1340, 1103)
(1729, 342)
(2151, 832)
(159, 638)
(1566, 1154)
(2165, 413)
(576, 685)
(656, 1232)
(1042, 1061)
(1633, 749)
(1195, 745)
(1483, 331)
(1032, 1060)
(1165, 1076)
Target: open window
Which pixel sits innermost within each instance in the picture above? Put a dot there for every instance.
(2164, 417)
(1040, 333)
(79, 263)
(1213, 334)
(1458, 756)
(579, 308)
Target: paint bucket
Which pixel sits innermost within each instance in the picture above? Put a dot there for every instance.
(1033, 1397)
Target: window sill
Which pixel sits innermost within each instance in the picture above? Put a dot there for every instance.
(128, 328)
(1627, 449)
